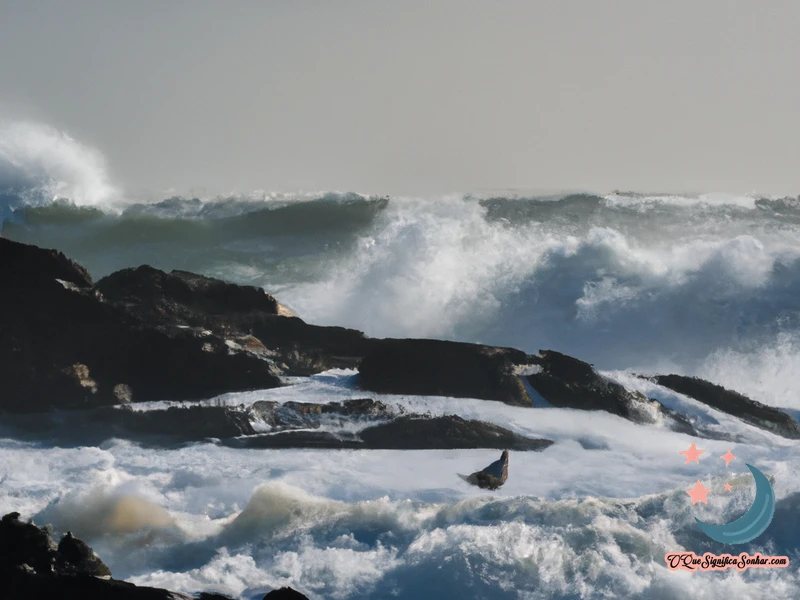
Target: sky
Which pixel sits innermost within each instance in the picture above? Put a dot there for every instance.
(416, 97)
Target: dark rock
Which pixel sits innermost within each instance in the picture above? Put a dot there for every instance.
(180, 424)
(733, 403)
(493, 476)
(410, 432)
(23, 543)
(29, 266)
(285, 593)
(77, 557)
(183, 298)
(63, 346)
(567, 382)
(446, 432)
(27, 586)
(245, 315)
(185, 423)
(435, 367)
(32, 567)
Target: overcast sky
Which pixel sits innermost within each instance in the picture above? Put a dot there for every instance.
(417, 96)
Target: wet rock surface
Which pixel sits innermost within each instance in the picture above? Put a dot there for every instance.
(34, 567)
(733, 403)
(408, 432)
(442, 368)
(567, 382)
(62, 345)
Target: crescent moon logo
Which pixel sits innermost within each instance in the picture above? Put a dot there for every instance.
(752, 523)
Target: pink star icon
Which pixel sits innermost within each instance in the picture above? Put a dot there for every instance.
(692, 454)
(728, 488)
(698, 493)
(728, 457)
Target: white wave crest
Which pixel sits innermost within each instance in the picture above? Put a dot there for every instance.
(39, 164)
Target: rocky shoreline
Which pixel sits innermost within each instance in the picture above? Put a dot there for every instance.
(77, 355)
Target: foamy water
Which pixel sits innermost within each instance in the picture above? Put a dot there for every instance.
(634, 283)
(350, 524)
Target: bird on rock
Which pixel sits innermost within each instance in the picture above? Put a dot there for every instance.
(493, 476)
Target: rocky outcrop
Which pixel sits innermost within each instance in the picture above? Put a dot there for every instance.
(63, 345)
(733, 403)
(33, 567)
(570, 383)
(183, 298)
(285, 593)
(436, 367)
(247, 317)
(408, 432)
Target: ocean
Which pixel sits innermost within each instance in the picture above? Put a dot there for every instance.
(634, 283)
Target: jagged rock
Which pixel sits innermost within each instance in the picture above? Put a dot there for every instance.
(567, 382)
(32, 567)
(733, 403)
(23, 543)
(63, 346)
(246, 316)
(285, 593)
(183, 298)
(29, 266)
(77, 557)
(436, 367)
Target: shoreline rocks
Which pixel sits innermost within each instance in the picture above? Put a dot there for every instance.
(733, 403)
(34, 567)
(443, 368)
(142, 334)
(567, 382)
(407, 432)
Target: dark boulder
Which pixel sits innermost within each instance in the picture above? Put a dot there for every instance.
(733, 403)
(567, 382)
(414, 432)
(285, 593)
(436, 367)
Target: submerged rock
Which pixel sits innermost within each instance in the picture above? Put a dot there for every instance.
(408, 432)
(733, 403)
(567, 382)
(493, 476)
(442, 368)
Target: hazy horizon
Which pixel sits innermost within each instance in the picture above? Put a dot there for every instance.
(415, 98)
